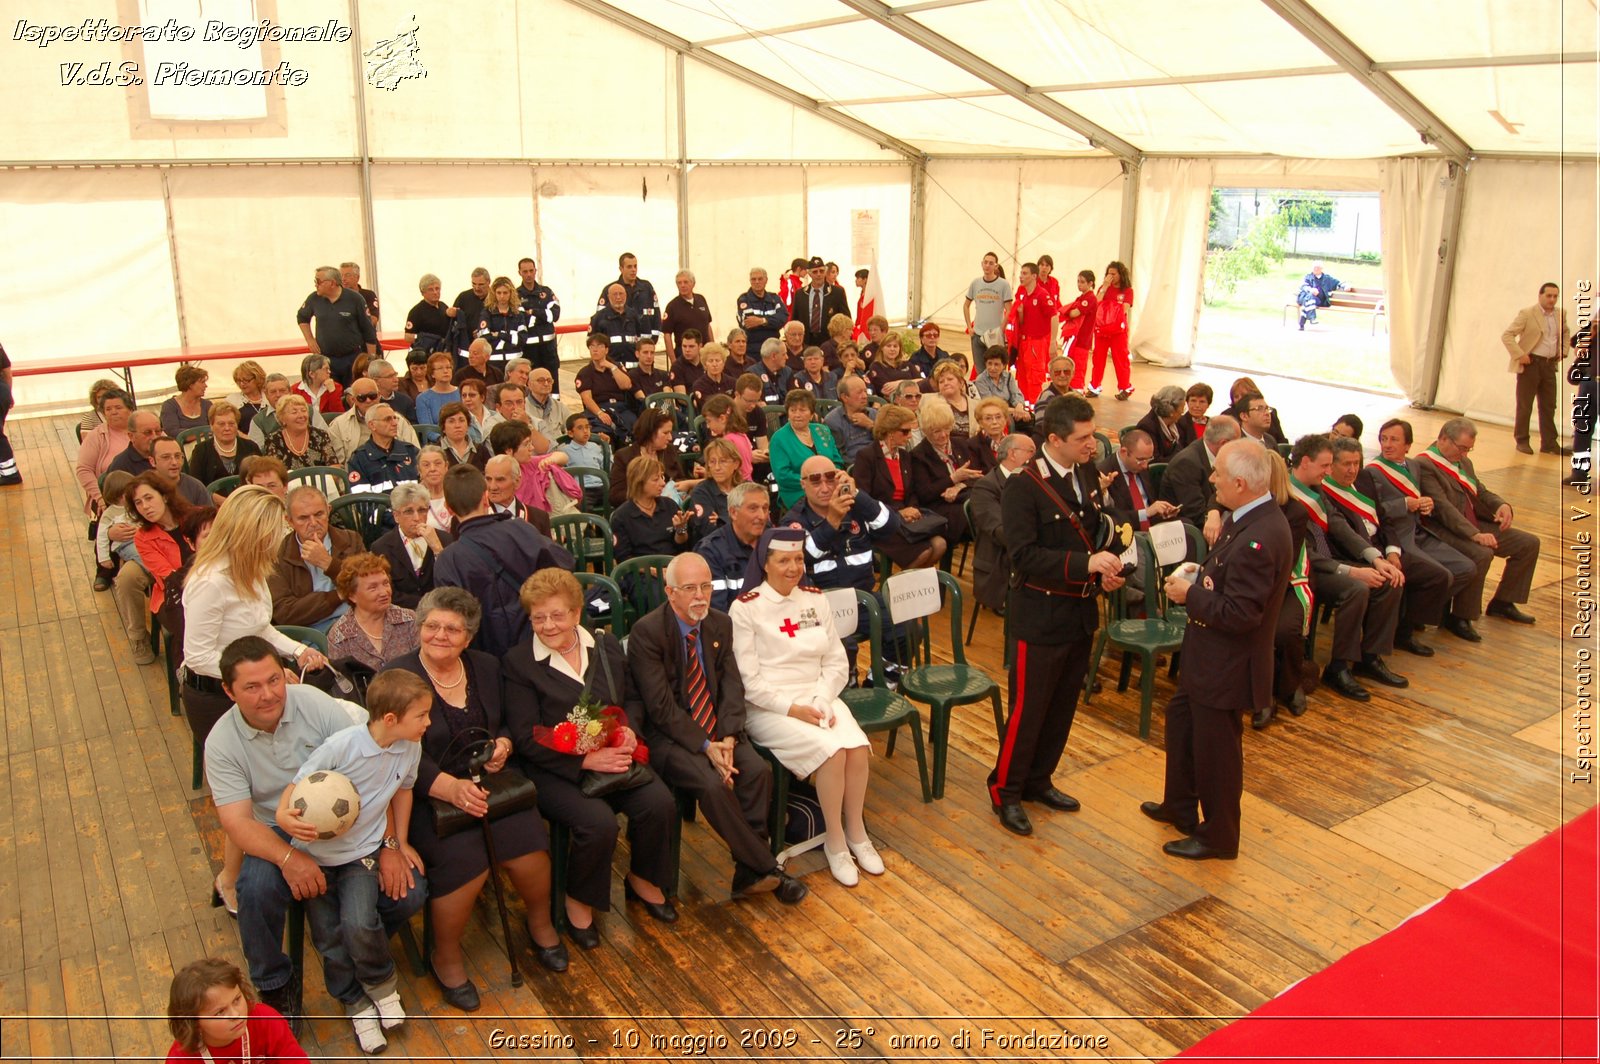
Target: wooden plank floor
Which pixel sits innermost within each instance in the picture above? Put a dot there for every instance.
(1356, 816)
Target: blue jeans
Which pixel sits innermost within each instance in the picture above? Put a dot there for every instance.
(348, 934)
(264, 900)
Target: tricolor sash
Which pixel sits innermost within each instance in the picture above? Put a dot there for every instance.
(1398, 474)
(1308, 498)
(1452, 469)
(1300, 584)
(1354, 501)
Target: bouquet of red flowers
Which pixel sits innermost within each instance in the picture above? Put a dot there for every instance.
(590, 726)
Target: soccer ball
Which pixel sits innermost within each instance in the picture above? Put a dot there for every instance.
(328, 802)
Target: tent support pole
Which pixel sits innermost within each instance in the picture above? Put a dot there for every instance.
(1130, 209)
(369, 226)
(919, 235)
(683, 165)
(1443, 284)
(177, 273)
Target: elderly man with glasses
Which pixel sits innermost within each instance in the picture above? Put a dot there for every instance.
(681, 657)
(351, 429)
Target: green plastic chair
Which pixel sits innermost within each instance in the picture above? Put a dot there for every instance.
(943, 687)
(1159, 632)
(643, 581)
(587, 538)
(614, 617)
(362, 513)
(777, 415)
(1155, 471)
(224, 485)
(427, 433)
(579, 472)
(330, 480)
(189, 439)
(825, 407)
(879, 709)
(311, 637)
(681, 407)
(1103, 448)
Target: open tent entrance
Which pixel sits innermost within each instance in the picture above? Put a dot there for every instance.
(1261, 246)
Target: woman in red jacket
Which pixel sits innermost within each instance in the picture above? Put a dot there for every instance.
(1111, 330)
(162, 546)
(1077, 328)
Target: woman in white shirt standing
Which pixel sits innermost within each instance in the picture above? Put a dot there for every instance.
(225, 598)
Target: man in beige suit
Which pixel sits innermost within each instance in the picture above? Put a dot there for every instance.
(1476, 522)
(1537, 342)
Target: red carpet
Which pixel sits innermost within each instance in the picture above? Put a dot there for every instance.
(1502, 969)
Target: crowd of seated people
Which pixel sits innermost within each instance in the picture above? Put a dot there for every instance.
(814, 462)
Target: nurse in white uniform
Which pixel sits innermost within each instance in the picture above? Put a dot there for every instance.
(794, 667)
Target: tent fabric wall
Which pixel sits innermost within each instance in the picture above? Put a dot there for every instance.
(832, 195)
(1412, 205)
(741, 217)
(1169, 250)
(1524, 222)
(1070, 208)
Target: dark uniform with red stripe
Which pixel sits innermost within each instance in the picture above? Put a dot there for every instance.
(1053, 524)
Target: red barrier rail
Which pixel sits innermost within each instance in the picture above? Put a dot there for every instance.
(128, 361)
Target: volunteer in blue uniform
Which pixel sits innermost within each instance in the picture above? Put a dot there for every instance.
(760, 313)
(344, 328)
(1315, 291)
(640, 296)
(383, 461)
(544, 310)
(620, 326)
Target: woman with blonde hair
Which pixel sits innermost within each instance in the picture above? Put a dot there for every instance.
(299, 444)
(225, 598)
(251, 398)
(889, 365)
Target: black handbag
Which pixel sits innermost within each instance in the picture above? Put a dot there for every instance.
(509, 790)
(600, 784)
(923, 528)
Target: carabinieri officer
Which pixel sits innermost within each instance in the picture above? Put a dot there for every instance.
(1063, 551)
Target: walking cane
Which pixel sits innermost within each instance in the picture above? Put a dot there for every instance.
(480, 759)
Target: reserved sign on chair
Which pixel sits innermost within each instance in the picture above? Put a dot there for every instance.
(911, 594)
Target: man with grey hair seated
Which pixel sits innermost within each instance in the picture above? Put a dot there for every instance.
(1167, 405)
(1227, 658)
(302, 581)
(387, 378)
(1187, 481)
(991, 568)
(350, 430)
(1476, 522)
(727, 550)
(265, 423)
(546, 412)
(851, 421)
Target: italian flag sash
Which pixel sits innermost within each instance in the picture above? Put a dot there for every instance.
(1308, 498)
(1300, 584)
(1455, 472)
(1398, 474)
(1352, 500)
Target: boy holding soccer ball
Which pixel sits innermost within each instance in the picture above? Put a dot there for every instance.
(380, 759)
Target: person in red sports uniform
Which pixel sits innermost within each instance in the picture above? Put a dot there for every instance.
(1111, 330)
(1047, 268)
(1038, 316)
(1077, 327)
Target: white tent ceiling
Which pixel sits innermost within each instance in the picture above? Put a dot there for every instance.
(1357, 79)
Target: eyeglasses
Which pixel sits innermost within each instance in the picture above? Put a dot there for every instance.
(693, 589)
(412, 511)
(539, 620)
(363, 397)
(816, 480)
(434, 627)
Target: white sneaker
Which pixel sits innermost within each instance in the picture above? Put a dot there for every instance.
(1091, 393)
(369, 1032)
(842, 867)
(391, 1010)
(866, 856)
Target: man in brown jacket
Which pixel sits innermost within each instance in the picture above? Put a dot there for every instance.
(308, 564)
(1477, 522)
(1537, 340)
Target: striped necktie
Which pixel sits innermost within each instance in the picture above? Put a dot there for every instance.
(700, 708)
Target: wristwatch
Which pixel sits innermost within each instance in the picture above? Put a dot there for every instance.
(390, 842)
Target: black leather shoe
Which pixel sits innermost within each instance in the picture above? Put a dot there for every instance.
(1461, 628)
(584, 937)
(1411, 646)
(1564, 452)
(1374, 668)
(1054, 799)
(790, 890)
(1262, 717)
(1342, 681)
(553, 957)
(286, 999)
(1158, 812)
(663, 910)
(1297, 703)
(1507, 611)
(1013, 819)
(1193, 849)
(747, 883)
(463, 997)
(1524, 447)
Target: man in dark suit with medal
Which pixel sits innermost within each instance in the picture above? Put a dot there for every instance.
(1233, 603)
(1063, 551)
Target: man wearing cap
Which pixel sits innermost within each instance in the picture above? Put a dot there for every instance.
(817, 303)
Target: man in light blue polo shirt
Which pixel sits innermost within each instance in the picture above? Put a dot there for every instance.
(252, 754)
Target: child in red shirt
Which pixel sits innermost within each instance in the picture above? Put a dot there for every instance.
(214, 1016)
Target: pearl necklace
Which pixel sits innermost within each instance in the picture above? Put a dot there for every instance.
(461, 677)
